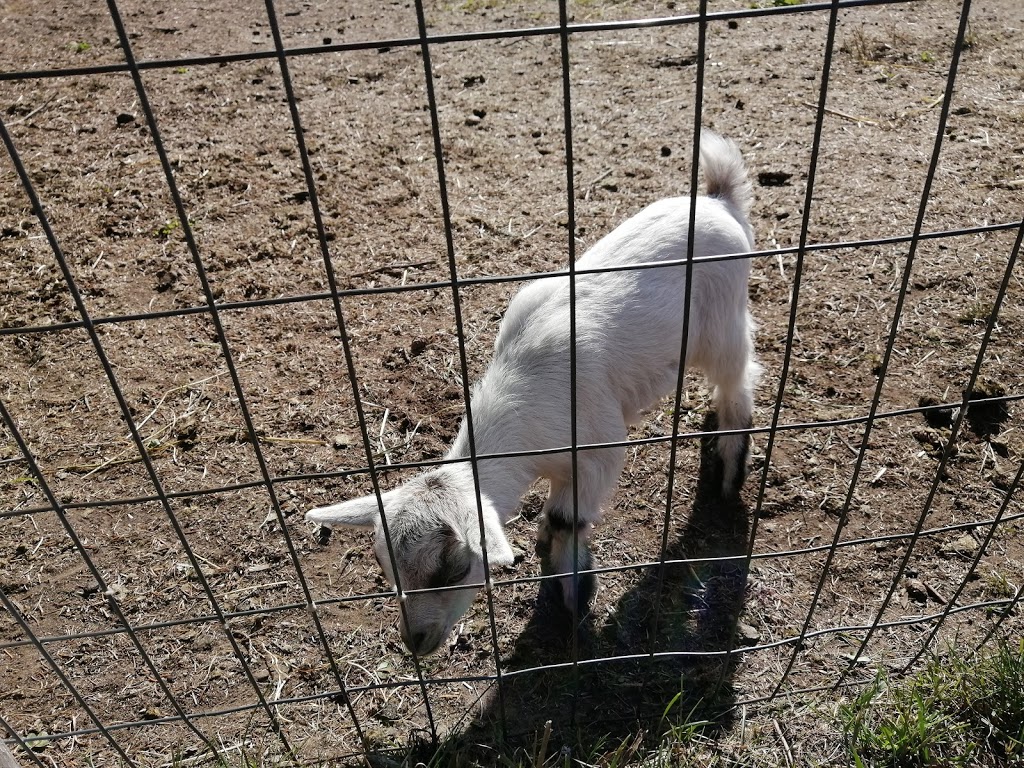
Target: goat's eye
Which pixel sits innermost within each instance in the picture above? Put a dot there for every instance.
(457, 577)
(448, 578)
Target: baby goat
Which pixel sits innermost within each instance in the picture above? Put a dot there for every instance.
(629, 327)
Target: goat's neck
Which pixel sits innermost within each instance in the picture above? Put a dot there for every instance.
(499, 426)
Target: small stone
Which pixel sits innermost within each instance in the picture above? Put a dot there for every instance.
(342, 440)
(747, 635)
(965, 545)
(472, 120)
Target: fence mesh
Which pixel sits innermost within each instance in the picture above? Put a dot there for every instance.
(255, 257)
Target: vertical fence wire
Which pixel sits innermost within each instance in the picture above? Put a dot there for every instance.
(229, 362)
(965, 11)
(684, 341)
(964, 406)
(574, 458)
(435, 127)
(321, 234)
(125, 412)
(819, 121)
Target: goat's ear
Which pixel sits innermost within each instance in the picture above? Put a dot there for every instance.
(499, 551)
(358, 513)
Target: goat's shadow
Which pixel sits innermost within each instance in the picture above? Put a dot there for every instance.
(673, 610)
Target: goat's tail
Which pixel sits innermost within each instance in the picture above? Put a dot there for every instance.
(725, 172)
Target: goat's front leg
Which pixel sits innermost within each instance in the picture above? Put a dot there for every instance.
(555, 548)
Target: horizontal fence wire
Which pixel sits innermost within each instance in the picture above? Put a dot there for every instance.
(341, 691)
(342, 293)
(610, 569)
(428, 463)
(466, 37)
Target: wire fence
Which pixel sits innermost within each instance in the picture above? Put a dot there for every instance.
(139, 704)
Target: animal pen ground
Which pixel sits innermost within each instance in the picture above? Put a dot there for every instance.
(215, 593)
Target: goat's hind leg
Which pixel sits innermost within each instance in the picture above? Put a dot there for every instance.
(734, 377)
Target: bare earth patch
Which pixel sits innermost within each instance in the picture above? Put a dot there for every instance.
(226, 126)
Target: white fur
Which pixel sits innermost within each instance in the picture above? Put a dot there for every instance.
(629, 327)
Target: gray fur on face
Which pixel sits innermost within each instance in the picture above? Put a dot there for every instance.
(427, 544)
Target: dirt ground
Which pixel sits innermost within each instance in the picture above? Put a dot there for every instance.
(230, 141)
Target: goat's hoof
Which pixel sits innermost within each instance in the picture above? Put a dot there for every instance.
(562, 593)
(579, 594)
(732, 482)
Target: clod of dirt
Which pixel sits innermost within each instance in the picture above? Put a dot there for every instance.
(187, 434)
(938, 418)
(125, 117)
(929, 439)
(165, 280)
(396, 358)
(986, 419)
(774, 178)
(916, 590)
(418, 347)
(675, 61)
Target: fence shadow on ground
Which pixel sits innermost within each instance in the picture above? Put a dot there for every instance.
(700, 604)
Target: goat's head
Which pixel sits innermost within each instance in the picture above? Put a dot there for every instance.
(435, 536)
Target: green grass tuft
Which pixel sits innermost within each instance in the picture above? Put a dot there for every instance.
(958, 711)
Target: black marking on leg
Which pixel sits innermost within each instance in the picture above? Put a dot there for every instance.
(740, 475)
(560, 521)
(586, 586)
(552, 590)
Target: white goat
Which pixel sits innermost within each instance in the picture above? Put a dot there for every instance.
(629, 327)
